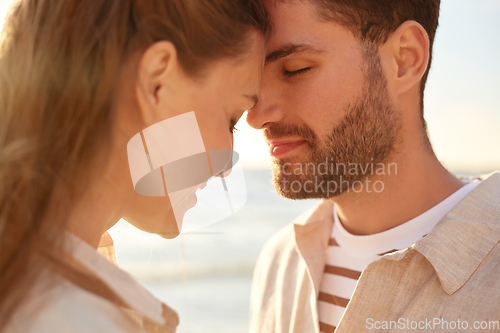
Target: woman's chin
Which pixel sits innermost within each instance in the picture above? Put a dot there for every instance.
(192, 201)
(169, 234)
(189, 202)
(166, 224)
(167, 229)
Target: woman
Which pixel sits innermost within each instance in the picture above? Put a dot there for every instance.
(78, 80)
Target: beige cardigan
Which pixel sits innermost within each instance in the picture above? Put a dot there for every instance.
(451, 274)
(57, 304)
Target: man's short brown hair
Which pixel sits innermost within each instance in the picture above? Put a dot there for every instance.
(374, 20)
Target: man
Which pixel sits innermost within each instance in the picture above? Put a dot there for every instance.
(399, 243)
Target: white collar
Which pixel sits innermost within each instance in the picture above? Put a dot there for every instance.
(401, 236)
(119, 281)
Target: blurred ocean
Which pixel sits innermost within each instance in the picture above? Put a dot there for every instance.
(206, 276)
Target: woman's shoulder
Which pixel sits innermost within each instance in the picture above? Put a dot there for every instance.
(65, 307)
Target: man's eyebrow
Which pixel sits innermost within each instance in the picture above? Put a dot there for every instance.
(290, 49)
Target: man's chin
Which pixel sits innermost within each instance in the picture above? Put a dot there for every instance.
(302, 189)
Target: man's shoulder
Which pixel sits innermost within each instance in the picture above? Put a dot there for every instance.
(281, 271)
(280, 252)
(484, 198)
(284, 239)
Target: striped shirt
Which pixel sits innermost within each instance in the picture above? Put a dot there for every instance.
(348, 255)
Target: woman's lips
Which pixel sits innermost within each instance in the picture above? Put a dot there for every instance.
(280, 148)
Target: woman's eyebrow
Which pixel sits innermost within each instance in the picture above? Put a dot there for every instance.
(289, 49)
(254, 98)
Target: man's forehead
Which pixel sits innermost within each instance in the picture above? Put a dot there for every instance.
(294, 24)
(286, 2)
(292, 10)
(313, 6)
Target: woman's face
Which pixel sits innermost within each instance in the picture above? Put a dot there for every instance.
(218, 99)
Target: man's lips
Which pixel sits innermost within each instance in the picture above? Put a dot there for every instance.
(282, 147)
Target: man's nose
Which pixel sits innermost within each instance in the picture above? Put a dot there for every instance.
(269, 109)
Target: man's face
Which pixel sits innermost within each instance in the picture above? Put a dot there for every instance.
(323, 104)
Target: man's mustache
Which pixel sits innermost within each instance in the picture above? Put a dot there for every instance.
(277, 131)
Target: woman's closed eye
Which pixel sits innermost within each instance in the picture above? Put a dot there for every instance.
(297, 72)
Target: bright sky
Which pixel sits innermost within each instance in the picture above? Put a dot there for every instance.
(4, 4)
(462, 107)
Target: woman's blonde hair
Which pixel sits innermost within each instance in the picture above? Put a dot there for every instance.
(59, 65)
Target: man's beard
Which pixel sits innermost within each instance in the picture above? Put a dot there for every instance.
(365, 137)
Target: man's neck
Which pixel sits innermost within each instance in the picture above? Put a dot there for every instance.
(421, 183)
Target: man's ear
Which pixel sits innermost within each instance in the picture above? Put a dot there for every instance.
(408, 47)
(156, 67)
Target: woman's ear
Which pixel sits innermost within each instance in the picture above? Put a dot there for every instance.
(156, 67)
(408, 48)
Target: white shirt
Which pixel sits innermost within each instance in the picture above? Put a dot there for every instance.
(64, 306)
